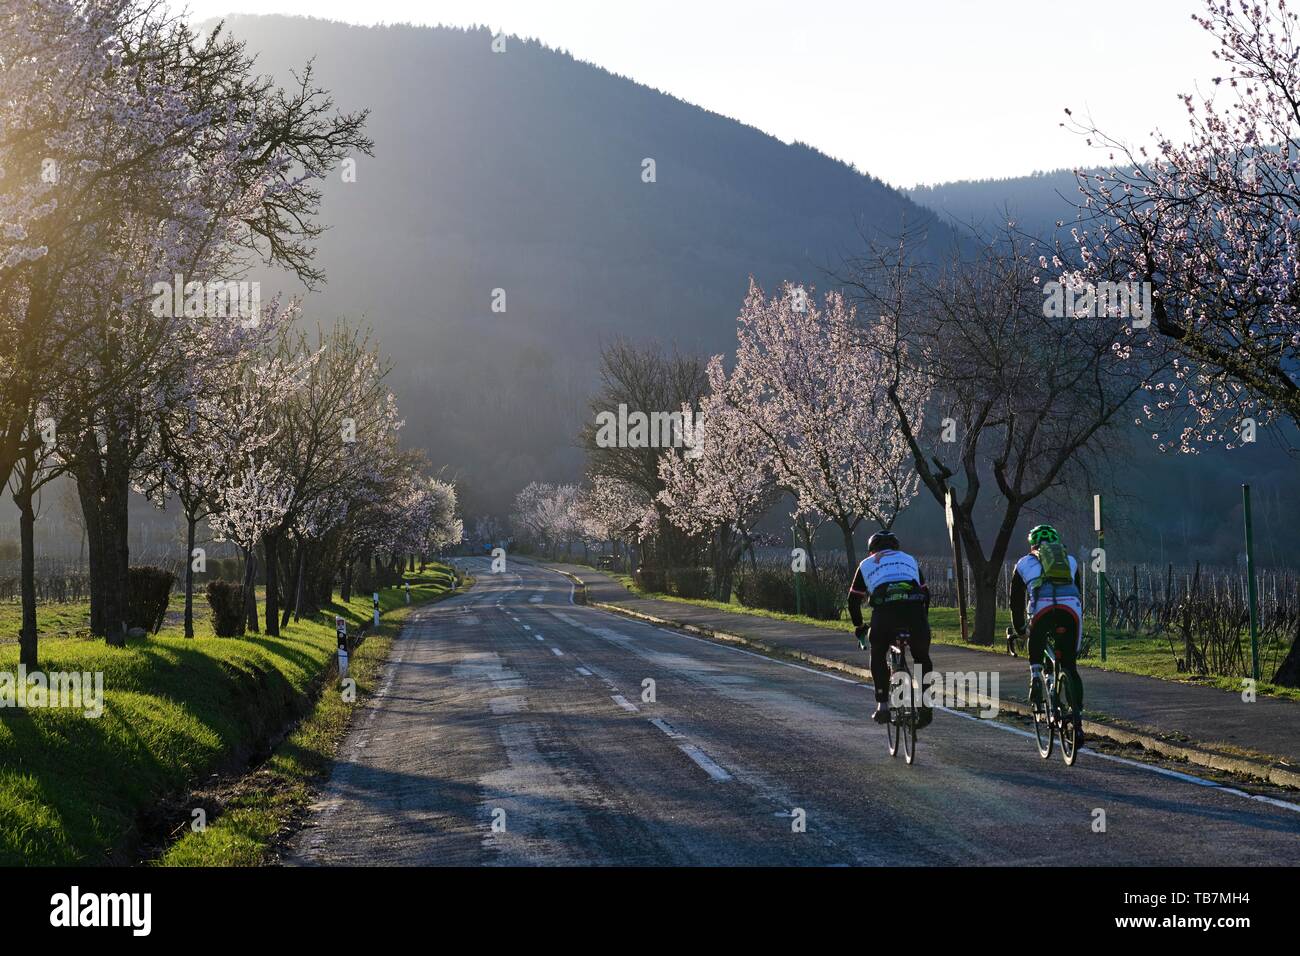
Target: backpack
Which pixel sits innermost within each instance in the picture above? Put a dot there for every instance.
(1055, 561)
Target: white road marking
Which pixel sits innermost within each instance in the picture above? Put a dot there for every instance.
(507, 705)
(622, 702)
(666, 728)
(1186, 777)
(705, 763)
(557, 652)
(539, 637)
(535, 599)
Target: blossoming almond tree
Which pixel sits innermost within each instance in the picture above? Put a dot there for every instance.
(820, 407)
(725, 486)
(1211, 219)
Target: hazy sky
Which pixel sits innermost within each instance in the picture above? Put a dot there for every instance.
(913, 92)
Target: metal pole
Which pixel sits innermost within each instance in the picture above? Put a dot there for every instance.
(1250, 585)
(798, 591)
(1101, 575)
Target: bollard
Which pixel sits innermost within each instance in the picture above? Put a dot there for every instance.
(407, 585)
(341, 628)
(376, 609)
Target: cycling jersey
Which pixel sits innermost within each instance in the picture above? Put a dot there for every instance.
(1030, 592)
(888, 575)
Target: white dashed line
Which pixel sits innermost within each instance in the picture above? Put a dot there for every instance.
(705, 763)
(557, 652)
(623, 702)
(584, 672)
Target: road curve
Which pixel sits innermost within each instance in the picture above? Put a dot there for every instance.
(512, 727)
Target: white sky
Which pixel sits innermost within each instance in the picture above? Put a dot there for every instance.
(912, 92)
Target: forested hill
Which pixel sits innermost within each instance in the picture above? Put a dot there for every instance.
(523, 171)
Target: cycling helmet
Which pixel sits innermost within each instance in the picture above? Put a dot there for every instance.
(1041, 533)
(882, 541)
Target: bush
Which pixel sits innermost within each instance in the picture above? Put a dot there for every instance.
(773, 589)
(227, 602)
(650, 579)
(767, 589)
(690, 582)
(149, 590)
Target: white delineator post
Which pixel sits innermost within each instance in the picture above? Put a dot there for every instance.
(407, 585)
(341, 628)
(376, 609)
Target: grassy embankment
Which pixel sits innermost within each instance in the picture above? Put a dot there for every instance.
(1125, 652)
(74, 789)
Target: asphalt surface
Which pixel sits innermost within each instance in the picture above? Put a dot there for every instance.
(512, 727)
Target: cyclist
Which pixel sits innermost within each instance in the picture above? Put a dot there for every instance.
(892, 583)
(1047, 585)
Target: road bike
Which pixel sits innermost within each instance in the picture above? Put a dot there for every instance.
(901, 727)
(1054, 716)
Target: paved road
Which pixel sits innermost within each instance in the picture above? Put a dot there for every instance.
(513, 727)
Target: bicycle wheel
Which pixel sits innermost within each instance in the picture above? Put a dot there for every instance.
(1069, 712)
(907, 721)
(1044, 729)
(891, 728)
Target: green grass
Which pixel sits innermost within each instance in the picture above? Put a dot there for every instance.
(73, 789)
(1125, 652)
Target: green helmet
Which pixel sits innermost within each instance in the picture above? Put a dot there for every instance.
(1041, 533)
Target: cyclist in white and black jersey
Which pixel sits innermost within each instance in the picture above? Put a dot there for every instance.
(892, 583)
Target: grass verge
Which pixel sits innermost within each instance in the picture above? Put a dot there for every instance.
(1125, 652)
(75, 790)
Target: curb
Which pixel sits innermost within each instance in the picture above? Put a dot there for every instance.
(1213, 760)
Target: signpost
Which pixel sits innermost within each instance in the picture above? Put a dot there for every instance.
(1250, 584)
(341, 629)
(1101, 573)
(950, 504)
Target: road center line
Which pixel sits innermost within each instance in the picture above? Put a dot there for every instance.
(623, 702)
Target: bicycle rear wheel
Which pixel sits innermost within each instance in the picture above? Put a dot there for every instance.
(907, 720)
(891, 728)
(1069, 714)
(1044, 729)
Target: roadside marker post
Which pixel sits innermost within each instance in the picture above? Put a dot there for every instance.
(1101, 575)
(954, 538)
(341, 629)
(1250, 584)
(376, 609)
(407, 585)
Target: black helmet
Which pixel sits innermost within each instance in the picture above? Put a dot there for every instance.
(882, 541)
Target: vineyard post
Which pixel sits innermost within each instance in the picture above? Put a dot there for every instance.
(1250, 584)
(1101, 574)
(950, 505)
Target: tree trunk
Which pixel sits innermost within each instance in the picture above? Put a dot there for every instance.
(1288, 672)
(189, 575)
(297, 587)
(27, 649)
(850, 549)
(986, 607)
(271, 547)
(250, 591)
(345, 581)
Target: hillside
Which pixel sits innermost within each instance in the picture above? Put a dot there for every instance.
(522, 171)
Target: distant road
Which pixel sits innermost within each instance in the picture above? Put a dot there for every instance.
(511, 706)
